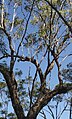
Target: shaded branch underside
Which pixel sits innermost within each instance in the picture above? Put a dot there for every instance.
(45, 97)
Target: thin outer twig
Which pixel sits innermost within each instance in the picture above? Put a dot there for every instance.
(51, 112)
(44, 115)
(63, 110)
(58, 66)
(66, 57)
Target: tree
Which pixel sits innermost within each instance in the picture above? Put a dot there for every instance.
(36, 33)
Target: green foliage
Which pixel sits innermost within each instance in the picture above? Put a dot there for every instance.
(58, 98)
(2, 85)
(2, 46)
(18, 21)
(67, 73)
(0, 104)
(19, 73)
(12, 116)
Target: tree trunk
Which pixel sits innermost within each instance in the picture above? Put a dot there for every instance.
(12, 86)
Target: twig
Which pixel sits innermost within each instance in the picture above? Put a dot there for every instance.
(63, 110)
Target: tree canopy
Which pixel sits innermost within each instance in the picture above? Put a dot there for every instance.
(35, 48)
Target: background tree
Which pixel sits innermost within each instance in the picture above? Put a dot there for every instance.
(67, 76)
(34, 41)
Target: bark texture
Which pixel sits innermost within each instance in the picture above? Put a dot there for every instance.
(12, 87)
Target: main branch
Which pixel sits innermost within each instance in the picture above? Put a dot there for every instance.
(44, 99)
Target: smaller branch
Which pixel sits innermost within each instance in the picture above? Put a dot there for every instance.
(58, 66)
(56, 109)
(5, 56)
(48, 58)
(31, 93)
(2, 14)
(14, 14)
(44, 115)
(47, 111)
(49, 68)
(37, 50)
(51, 21)
(56, 56)
(50, 25)
(35, 62)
